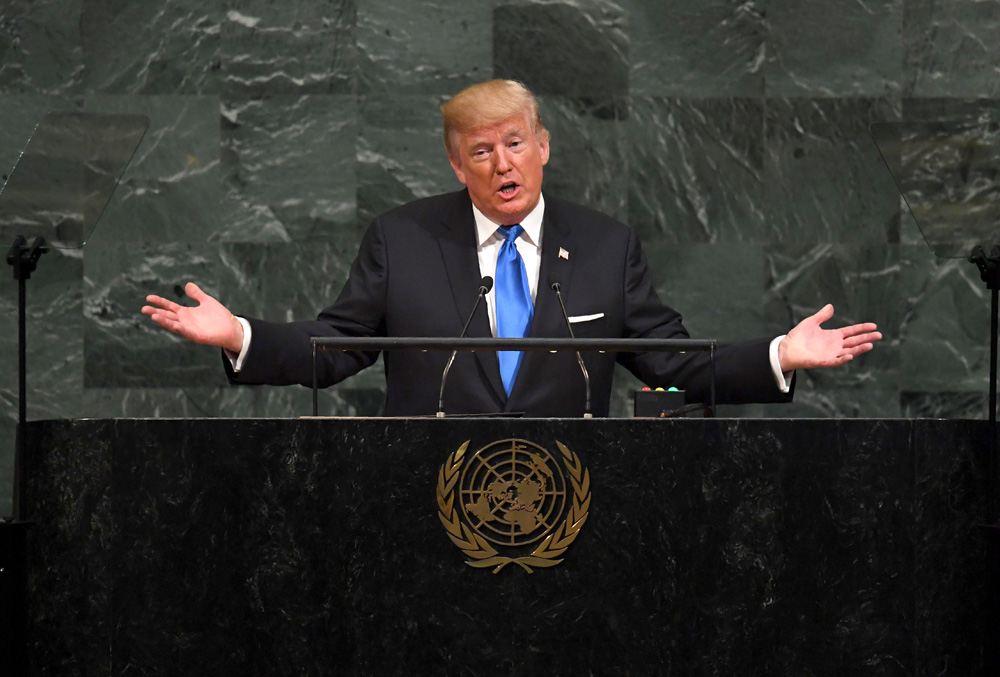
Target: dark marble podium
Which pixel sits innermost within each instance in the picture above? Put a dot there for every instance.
(309, 547)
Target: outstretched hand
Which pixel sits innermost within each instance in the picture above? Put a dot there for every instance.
(808, 345)
(209, 322)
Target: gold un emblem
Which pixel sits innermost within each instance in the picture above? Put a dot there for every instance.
(509, 497)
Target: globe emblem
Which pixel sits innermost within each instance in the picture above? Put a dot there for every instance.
(513, 492)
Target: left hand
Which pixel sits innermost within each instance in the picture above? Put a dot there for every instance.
(808, 345)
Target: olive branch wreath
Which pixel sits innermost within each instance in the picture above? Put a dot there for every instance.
(477, 548)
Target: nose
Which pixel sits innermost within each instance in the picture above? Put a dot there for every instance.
(503, 161)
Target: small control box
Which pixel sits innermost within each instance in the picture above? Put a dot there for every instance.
(662, 403)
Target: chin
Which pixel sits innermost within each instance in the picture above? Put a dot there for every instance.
(516, 209)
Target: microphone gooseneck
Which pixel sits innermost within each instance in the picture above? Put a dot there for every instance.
(557, 288)
(485, 285)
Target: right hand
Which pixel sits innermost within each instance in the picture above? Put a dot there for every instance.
(209, 323)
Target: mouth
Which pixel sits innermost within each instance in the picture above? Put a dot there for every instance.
(508, 190)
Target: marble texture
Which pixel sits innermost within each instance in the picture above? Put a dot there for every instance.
(944, 404)
(283, 281)
(292, 47)
(576, 49)
(950, 49)
(834, 49)
(170, 191)
(695, 169)
(400, 154)
(704, 49)
(41, 47)
(945, 334)
(589, 152)
(948, 486)
(719, 547)
(288, 166)
(823, 178)
(169, 47)
(84, 525)
(414, 48)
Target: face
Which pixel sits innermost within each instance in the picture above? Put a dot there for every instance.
(501, 165)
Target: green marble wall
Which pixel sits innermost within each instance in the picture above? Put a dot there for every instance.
(731, 134)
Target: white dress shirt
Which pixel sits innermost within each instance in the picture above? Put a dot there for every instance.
(529, 246)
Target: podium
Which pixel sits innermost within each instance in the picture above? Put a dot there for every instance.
(316, 546)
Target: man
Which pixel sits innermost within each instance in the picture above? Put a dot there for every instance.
(419, 267)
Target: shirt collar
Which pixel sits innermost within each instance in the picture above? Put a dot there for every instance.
(532, 224)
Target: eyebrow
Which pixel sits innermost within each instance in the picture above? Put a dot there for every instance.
(483, 141)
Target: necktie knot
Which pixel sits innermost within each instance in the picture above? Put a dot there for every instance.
(510, 233)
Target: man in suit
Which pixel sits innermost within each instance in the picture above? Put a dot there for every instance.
(419, 268)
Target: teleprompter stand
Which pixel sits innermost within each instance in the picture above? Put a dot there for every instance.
(949, 176)
(55, 195)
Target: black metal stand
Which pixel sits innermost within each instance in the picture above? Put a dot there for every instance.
(23, 259)
(989, 271)
(13, 532)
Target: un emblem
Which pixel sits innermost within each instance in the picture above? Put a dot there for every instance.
(509, 496)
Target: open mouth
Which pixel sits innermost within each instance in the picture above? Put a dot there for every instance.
(508, 189)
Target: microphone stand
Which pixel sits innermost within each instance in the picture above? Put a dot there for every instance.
(989, 271)
(557, 288)
(13, 538)
(23, 259)
(484, 288)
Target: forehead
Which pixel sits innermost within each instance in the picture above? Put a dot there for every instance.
(517, 125)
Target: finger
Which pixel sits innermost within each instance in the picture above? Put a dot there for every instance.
(852, 341)
(169, 324)
(834, 361)
(166, 304)
(152, 310)
(860, 350)
(166, 321)
(158, 314)
(862, 328)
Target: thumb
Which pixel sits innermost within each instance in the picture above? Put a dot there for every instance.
(824, 314)
(195, 292)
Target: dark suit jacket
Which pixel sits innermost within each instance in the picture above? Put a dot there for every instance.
(417, 274)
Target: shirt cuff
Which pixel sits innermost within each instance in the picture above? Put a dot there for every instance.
(236, 361)
(782, 379)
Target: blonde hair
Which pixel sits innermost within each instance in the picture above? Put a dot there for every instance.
(488, 103)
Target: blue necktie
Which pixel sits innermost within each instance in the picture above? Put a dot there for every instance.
(513, 299)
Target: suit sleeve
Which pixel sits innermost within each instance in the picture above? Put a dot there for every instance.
(742, 370)
(281, 353)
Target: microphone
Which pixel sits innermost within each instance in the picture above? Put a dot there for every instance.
(485, 285)
(557, 288)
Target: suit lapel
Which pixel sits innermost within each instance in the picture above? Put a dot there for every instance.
(548, 320)
(556, 237)
(457, 240)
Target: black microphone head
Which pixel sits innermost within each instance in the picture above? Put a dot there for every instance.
(554, 282)
(485, 284)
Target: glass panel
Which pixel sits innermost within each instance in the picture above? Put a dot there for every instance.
(66, 174)
(949, 176)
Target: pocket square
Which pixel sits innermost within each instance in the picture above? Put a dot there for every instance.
(573, 319)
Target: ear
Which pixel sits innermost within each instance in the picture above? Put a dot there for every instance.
(543, 149)
(456, 165)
